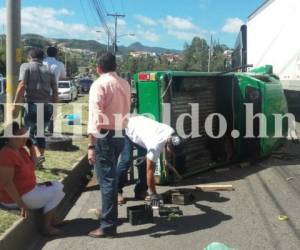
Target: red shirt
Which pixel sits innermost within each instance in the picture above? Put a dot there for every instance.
(24, 177)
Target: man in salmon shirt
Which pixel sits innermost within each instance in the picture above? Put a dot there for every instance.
(109, 100)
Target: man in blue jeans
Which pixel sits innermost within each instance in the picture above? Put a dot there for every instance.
(37, 83)
(154, 138)
(125, 162)
(109, 97)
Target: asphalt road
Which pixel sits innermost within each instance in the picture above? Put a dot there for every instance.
(246, 218)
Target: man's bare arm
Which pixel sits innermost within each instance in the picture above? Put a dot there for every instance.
(92, 139)
(20, 92)
(54, 89)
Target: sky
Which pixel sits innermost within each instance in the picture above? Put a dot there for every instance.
(159, 23)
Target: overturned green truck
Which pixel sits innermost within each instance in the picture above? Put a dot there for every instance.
(190, 98)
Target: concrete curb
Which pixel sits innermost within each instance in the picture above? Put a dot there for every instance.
(23, 232)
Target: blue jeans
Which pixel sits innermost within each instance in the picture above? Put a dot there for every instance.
(30, 118)
(125, 163)
(108, 150)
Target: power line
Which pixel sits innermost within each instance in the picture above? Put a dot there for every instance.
(92, 11)
(100, 10)
(84, 14)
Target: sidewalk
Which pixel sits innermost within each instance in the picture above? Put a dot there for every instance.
(246, 218)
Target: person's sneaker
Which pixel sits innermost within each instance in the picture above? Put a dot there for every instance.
(121, 199)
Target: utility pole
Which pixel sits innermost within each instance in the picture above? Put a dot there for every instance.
(66, 61)
(209, 54)
(116, 16)
(107, 42)
(13, 50)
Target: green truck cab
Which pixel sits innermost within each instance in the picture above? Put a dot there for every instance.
(170, 97)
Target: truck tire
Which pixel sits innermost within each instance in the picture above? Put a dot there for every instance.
(63, 143)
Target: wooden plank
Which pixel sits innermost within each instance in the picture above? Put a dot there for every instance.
(215, 187)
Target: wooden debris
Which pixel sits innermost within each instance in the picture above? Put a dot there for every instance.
(215, 187)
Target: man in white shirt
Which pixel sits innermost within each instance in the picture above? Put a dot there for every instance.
(154, 137)
(55, 66)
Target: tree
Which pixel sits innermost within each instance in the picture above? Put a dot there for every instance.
(2, 61)
(218, 57)
(195, 55)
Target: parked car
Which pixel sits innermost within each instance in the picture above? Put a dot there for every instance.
(2, 97)
(85, 85)
(67, 91)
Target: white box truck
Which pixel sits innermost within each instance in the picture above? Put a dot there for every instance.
(273, 38)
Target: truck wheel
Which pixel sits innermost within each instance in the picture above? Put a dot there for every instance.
(63, 143)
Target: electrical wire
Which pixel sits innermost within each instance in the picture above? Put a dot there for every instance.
(93, 12)
(84, 14)
(100, 11)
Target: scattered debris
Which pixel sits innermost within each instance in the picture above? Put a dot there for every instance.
(141, 214)
(282, 217)
(173, 215)
(182, 198)
(170, 211)
(178, 197)
(219, 170)
(215, 187)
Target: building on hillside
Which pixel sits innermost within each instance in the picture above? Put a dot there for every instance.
(170, 57)
(138, 54)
